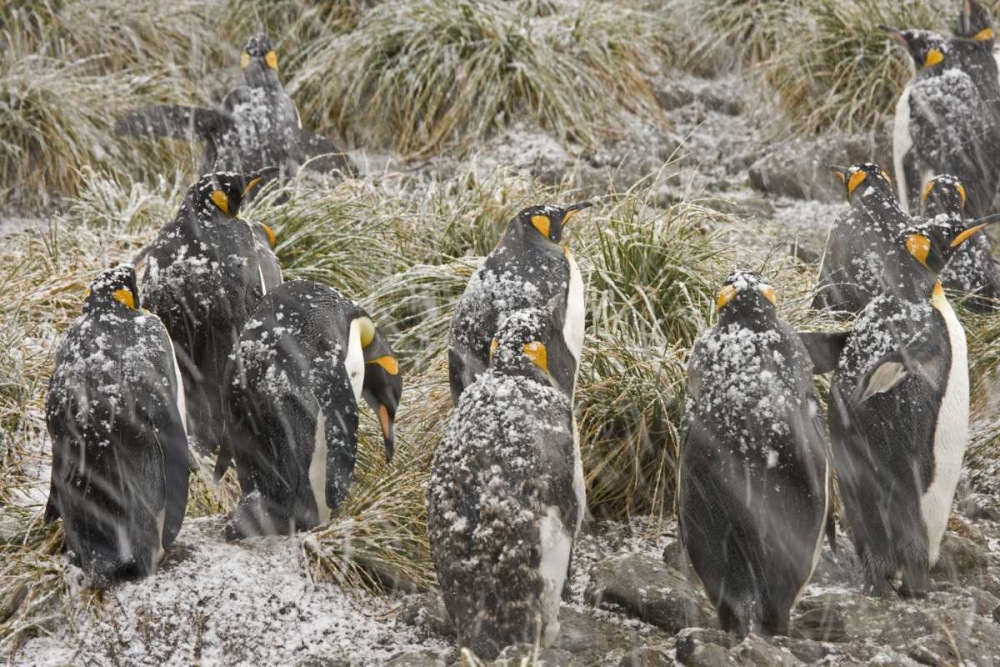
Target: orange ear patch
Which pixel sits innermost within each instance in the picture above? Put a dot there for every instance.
(388, 363)
(542, 224)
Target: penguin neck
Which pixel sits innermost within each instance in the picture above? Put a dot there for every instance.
(914, 282)
(750, 316)
(517, 234)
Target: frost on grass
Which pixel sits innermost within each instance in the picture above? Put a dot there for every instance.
(218, 603)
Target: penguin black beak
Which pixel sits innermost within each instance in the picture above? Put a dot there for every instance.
(896, 33)
(974, 228)
(255, 178)
(573, 209)
(839, 172)
(388, 423)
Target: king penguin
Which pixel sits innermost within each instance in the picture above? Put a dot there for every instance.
(303, 362)
(972, 50)
(527, 269)
(503, 507)
(942, 125)
(899, 415)
(754, 486)
(115, 413)
(203, 276)
(257, 124)
(971, 269)
(851, 271)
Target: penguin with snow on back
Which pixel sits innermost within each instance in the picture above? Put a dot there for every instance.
(115, 413)
(899, 413)
(502, 506)
(257, 124)
(528, 269)
(203, 276)
(754, 480)
(972, 51)
(860, 240)
(294, 384)
(971, 269)
(942, 125)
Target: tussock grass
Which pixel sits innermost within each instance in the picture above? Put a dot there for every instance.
(826, 61)
(420, 75)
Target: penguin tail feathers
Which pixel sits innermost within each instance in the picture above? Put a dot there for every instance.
(173, 122)
(223, 462)
(51, 511)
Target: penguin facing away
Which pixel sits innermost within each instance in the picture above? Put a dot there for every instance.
(899, 414)
(754, 478)
(502, 508)
(527, 269)
(971, 269)
(256, 125)
(303, 362)
(942, 125)
(203, 276)
(972, 51)
(115, 413)
(856, 249)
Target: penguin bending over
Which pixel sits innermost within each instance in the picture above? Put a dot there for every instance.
(528, 269)
(754, 477)
(303, 362)
(942, 125)
(503, 508)
(257, 124)
(203, 275)
(856, 249)
(115, 413)
(899, 414)
(971, 269)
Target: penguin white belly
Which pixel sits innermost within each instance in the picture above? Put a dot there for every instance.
(579, 486)
(557, 545)
(901, 145)
(354, 361)
(951, 435)
(573, 327)
(263, 285)
(181, 401)
(818, 549)
(317, 467)
(161, 520)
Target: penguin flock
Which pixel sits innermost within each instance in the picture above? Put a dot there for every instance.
(199, 348)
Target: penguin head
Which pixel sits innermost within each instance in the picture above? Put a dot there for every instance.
(927, 48)
(223, 192)
(975, 22)
(863, 177)
(519, 347)
(113, 288)
(745, 295)
(544, 222)
(259, 61)
(943, 194)
(383, 385)
(932, 243)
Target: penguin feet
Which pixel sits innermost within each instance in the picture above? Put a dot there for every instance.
(907, 592)
(878, 586)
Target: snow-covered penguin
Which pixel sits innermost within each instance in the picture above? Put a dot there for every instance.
(302, 364)
(899, 414)
(942, 125)
(971, 269)
(861, 238)
(203, 275)
(754, 476)
(257, 124)
(115, 413)
(528, 269)
(972, 51)
(504, 502)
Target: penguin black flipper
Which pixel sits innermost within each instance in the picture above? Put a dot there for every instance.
(174, 122)
(316, 152)
(895, 366)
(172, 436)
(824, 349)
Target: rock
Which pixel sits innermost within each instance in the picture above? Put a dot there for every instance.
(799, 168)
(416, 659)
(672, 95)
(427, 611)
(583, 635)
(822, 623)
(650, 591)
(526, 654)
(979, 507)
(996, 614)
(722, 100)
(649, 656)
(960, 556)
(324, 661)
(983, 603)
(756, 652)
